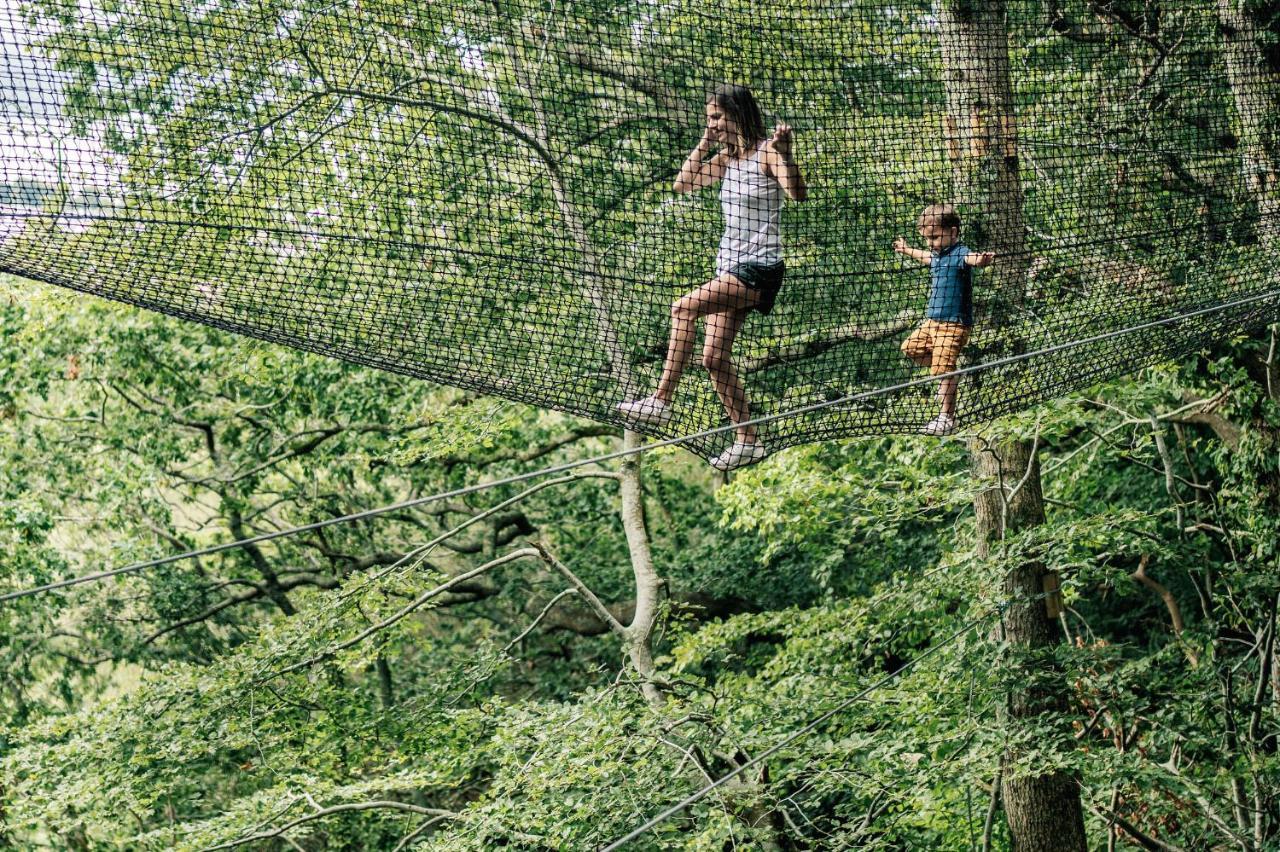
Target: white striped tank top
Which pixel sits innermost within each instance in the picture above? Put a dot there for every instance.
(752, 205)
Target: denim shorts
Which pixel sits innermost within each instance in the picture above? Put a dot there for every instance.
(765, 279)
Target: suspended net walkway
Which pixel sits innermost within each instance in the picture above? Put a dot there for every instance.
(484, 194)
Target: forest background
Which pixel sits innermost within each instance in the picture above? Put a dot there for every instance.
(546, 665)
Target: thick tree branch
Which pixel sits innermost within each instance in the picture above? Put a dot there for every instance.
(1229, 433)
(166, 413)
(236, 524)
(602, 612)
(1073, 30)
(838, 336)
(578, 57)
(254, 593)
(1171, 603)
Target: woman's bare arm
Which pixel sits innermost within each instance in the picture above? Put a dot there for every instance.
(697, 171)
(784, 169)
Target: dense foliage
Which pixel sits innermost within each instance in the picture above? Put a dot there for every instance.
(455, 676)
(152, 711)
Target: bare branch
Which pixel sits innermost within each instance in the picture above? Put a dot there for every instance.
(415, 604)
(700, 606)
(588, 430)
(546, 609)
(618, 124)
(1146, 841)
(1265, 660)
(989, 823)
(1203, 801)
(1166, 458)
(1272, 366)
(308, 446)
(426, 549)
(1170, 602)
(601, 611)
(321, 813)
(512, 127)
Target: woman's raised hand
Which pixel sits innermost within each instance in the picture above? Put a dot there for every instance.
(781, 140)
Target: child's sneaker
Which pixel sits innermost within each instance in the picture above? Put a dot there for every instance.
(943, 424)
(649, 410)
(739, 455)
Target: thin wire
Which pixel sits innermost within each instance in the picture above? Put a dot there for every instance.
(797, 734)
(624, 453)
(968, 788)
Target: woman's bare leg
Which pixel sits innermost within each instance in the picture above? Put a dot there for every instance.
(724, 292)
(717, 352)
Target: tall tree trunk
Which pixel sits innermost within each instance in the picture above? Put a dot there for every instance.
(639, 633)
(1254, 75)
(1043, 811)
(1255, 88)
(1253, 72)
(981, 136)
(752, 806)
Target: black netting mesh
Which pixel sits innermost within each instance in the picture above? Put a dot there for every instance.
(481, 193)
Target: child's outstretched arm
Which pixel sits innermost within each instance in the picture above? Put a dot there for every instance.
(980, 258)
(918, 255)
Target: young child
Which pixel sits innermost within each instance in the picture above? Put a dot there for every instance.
(936, 344)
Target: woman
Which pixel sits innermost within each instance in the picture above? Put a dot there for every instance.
(757, 171)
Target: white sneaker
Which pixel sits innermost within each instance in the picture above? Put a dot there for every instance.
(739, 455)
(648, 410)
(943, 424)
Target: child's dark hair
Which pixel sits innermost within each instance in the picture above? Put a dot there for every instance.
(942, 215)
(739, 104)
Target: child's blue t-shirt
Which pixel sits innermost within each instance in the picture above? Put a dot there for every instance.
(951, 287)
